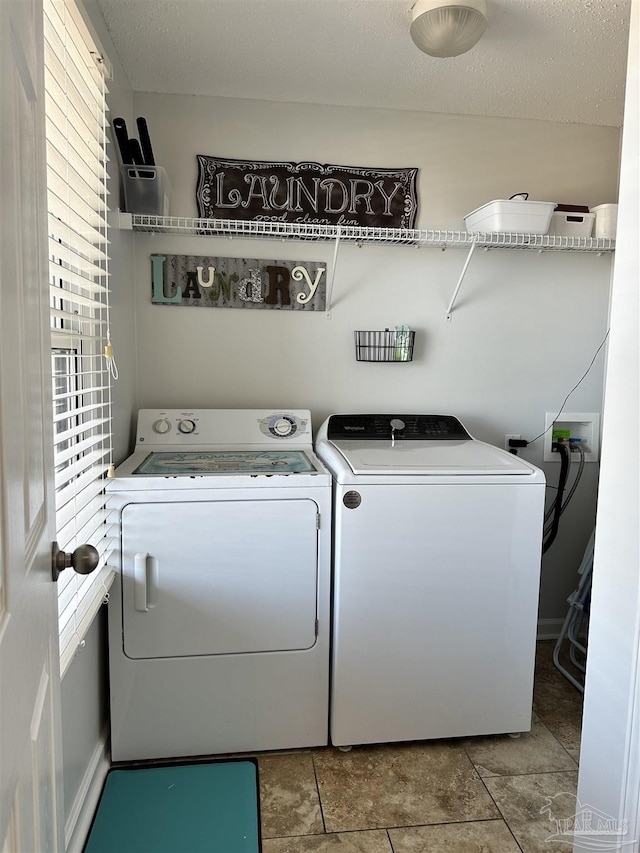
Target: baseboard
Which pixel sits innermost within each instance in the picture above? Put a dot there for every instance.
(86, 801)
(549, 629)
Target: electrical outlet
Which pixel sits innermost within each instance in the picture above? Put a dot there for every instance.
(506, 440)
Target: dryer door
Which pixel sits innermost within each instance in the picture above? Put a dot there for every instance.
(219, 577)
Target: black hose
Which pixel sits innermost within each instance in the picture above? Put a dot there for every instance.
(565, 451)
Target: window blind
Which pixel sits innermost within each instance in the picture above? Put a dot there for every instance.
(75, 93)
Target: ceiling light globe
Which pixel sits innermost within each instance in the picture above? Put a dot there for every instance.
(447, 28)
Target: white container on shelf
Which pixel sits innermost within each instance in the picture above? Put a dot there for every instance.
(606, 220)
(511, 216)
(569, 223)
(146, 190)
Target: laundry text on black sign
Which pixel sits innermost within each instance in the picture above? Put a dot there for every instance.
(306, 193)
(294, 194)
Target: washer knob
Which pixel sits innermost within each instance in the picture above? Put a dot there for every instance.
(161, 426)
(186, 427)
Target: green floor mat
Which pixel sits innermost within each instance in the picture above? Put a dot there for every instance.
(181, 808)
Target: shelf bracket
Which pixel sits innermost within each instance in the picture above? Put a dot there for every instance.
(460, 280)
(124, 221)
(333, 274)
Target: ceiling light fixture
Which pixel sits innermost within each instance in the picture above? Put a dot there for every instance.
(447, 27)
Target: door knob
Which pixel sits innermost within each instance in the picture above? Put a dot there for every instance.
(83, 560)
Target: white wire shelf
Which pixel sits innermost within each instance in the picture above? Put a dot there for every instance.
(339, 234)
(351, 234)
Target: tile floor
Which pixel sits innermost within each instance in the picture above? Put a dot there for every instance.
(474, 795)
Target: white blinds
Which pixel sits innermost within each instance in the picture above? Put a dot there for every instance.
(79, 299)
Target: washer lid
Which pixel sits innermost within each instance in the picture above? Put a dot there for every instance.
(411, 458)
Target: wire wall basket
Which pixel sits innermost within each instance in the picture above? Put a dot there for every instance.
(384, 346)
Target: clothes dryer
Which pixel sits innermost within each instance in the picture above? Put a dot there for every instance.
(437, 550)
(219, 616)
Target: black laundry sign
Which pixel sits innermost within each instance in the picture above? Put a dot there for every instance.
(237, 283)
(308, 193)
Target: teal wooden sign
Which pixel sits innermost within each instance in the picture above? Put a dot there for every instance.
(204, 282)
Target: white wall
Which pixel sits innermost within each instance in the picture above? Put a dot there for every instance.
(523, 332)
(610, 753)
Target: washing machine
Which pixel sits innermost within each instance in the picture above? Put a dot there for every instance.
(219, 617)
(437, 550)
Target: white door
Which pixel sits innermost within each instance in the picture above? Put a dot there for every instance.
(30, 741)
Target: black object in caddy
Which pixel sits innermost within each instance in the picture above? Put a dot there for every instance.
(145, 142)
(120, 128)
(133, 151)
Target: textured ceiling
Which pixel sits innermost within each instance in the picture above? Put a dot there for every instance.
(560, 60)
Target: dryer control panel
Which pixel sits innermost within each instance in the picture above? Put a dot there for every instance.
(207, 428)
(407, 427)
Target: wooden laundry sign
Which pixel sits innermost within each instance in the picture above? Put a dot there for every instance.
(205, 282)
(308, 193)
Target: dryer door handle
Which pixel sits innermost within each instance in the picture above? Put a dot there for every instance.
(145, 582)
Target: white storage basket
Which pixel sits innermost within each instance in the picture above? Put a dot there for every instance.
(572, 224)
(511, 216)
(606, 220)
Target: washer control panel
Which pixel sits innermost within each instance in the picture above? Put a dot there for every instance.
(409, 427)
(206, 428)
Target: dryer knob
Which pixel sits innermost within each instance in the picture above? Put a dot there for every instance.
(162, 426)
(186, 427)
(283, 426)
